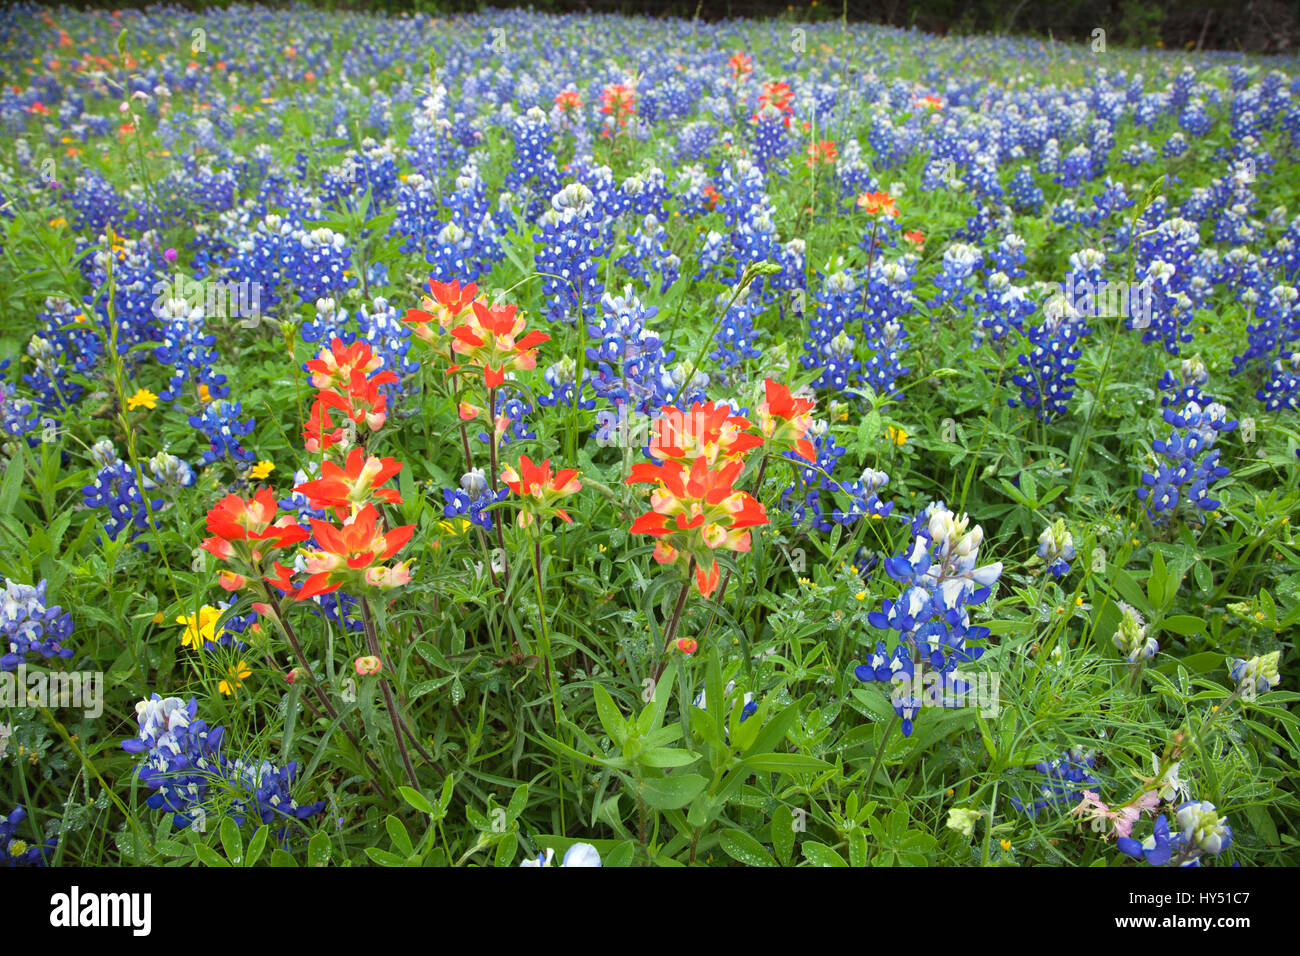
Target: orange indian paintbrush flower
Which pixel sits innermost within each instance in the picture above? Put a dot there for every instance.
(694, 512)
(357, 483)
(539, 490)
(783, 420)
(352, 555)
(493, 339)
(706, 431)
(878, 203)
(247, 533)
(449, 303)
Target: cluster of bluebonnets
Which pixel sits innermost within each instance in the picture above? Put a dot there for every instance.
(461, 143)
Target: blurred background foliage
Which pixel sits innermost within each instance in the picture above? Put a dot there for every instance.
(1259, 26)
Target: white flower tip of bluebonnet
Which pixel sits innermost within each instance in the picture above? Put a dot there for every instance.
(988, 575)
(874, 480)
(543, 859)
(581, 854)
(1202, 826)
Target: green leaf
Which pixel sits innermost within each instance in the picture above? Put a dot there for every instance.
(819, 854)
(256, 846)
(383, 857)
(610, 717)
(783, 833)
(397, 832)
(416, 799)
(318, 850)
(208, 856)
(1184, 624)
(231, 841)
(786, 763)
(743, 848)
(672, 793)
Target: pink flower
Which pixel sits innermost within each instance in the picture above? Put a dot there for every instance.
(368, 665)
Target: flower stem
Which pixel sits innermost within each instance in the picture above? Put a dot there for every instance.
(675, 620)
(399, 731)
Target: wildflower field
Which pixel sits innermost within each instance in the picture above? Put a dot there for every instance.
(510, 439)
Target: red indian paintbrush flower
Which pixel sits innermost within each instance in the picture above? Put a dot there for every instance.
(351, 554)
(493, 340)
(334, 367)
(694, 512)
(539, 490)
(783, 420)
(706, 431)
(742, 64)
(348, 488)
(449, 304)
(320, 433)
(246, 533)
(779, 96)
(824, 152)
(362, 402)
(619, 102)
(568, 100)
(878, 203)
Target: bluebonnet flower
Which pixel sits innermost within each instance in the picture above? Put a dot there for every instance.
(941, 580)
(736, 336)
(572, 241)
(17, 416)
(804, 499)
(1131, 636)
(831, 347)
(194, 781)
(472, 499)
(864, 500)
(1200, 832)
(1056, 548)
(269, 788)
(631, 364)
(170, 473)
(1047, 384)
(960, 261)
(1257, 675)
(29, 626)
(188, 349)
(220, 424)
(182, 757)
(1024, 193)
(561, 376)
(579, 854)
(1191, 463)
(117, 488)
(15, 851)
(772, 140)
(1067, 777)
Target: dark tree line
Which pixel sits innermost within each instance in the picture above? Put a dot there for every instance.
(1262, 26)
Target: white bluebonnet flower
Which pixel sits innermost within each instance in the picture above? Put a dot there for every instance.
(1131, 636)
(1056, 547)
(580, 854)
(103, 453)
(1202, 828)
(942, 579)
(1258, 675)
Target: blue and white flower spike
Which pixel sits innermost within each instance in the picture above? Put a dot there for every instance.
(580, 854)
